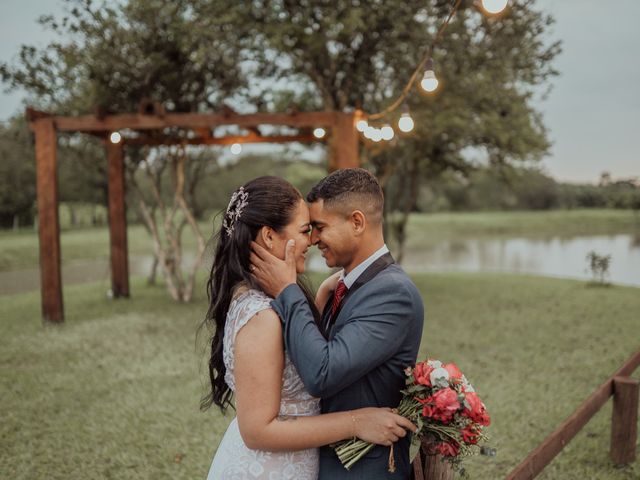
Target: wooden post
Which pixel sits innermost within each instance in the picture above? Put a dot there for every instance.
(344, 142)
(48, 223)
(118, 221)
(431, 467)
(624, 420)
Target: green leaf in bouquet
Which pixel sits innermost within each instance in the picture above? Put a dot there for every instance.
(414, 389)
(414, 449)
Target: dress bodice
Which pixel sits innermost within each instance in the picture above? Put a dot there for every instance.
(294, 400)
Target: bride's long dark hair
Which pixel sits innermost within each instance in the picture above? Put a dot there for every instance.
(271, 202)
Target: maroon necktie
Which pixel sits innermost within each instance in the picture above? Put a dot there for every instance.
(341, 291)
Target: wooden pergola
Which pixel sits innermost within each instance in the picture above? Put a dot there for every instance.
(147, 129)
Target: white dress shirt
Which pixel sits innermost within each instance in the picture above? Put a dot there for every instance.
(353, 275)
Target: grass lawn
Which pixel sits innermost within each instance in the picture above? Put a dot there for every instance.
(20, 249)
(114, 392)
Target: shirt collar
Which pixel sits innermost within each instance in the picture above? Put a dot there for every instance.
(353, 275)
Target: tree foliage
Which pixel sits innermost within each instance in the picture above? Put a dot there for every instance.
(360, 54)
(342, 55)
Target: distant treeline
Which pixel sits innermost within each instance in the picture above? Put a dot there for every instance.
(492, 188)
(82, 183)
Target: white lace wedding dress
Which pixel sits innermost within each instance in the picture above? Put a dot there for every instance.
(233, 460)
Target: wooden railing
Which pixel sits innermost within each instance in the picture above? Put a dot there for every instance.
(624, 426)
(624, 430)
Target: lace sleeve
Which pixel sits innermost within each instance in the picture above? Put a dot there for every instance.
(241, 310)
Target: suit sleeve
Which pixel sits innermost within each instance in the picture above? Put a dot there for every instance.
(367, 339)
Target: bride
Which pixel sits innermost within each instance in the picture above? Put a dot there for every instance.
(278, 427)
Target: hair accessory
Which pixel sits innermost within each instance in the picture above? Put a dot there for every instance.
(239, 200)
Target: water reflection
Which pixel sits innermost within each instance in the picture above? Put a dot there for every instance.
(562, 257)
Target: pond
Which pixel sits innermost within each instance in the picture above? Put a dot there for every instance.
(555, 256)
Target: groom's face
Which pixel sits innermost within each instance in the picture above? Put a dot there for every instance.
(333, 235)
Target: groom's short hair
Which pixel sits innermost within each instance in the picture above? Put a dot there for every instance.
(350, 189)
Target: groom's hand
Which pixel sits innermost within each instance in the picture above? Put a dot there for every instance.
(271, 273)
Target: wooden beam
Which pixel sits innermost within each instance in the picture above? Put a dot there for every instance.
(117, 221)
(624, 420)
(91, 123)
(230, 140)
(555, 442)
(32, 114)
(48, 223)
(344, 143)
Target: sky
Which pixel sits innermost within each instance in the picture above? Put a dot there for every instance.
(592, 112)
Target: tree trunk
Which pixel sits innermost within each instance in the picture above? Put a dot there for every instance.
(409, 205)
(168, 247)
(151, 279)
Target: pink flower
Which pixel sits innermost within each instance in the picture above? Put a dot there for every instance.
(476, 411)
(448, 449)
(441, 406)
(422, 374)
(454, 372)
(470, 435)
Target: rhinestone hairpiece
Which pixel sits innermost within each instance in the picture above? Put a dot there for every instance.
(239, 200)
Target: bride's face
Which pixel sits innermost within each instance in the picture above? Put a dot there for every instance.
(298, 229)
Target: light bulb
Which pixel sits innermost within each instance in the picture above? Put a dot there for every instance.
(319, 132)
(236, 149)
(376, 136)
(368, 132)
(115, 137)
(361, 125)
(494, 6)
(387, 132)
(405, 124)
(429, 82)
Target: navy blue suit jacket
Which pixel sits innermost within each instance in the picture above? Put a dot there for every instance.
(361, 363)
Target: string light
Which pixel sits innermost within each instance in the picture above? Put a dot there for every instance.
(115, 138)
(368, 132)
(494, 7)
(319, 132)
(405, 123)
(387, 132)
(429, 81)
(236, 149)
(376, 135)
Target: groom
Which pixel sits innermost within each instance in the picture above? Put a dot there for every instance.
(372, 323)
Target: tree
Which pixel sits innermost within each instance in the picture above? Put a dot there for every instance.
(125, 56)
(359, 55)
(17, 175)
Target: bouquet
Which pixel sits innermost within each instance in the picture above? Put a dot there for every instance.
(444, 406)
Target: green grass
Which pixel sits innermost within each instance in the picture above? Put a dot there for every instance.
(20, 249)
(113, 393)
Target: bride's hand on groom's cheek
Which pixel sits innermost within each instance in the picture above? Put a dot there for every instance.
(381, 425)
(272, 274)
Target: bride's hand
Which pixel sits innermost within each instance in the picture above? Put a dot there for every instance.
(326, 288)
(380, 425)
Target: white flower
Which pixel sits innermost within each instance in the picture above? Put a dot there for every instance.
(439, 377)
(434, 363)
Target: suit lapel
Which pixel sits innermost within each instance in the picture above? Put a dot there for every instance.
(372, 270)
